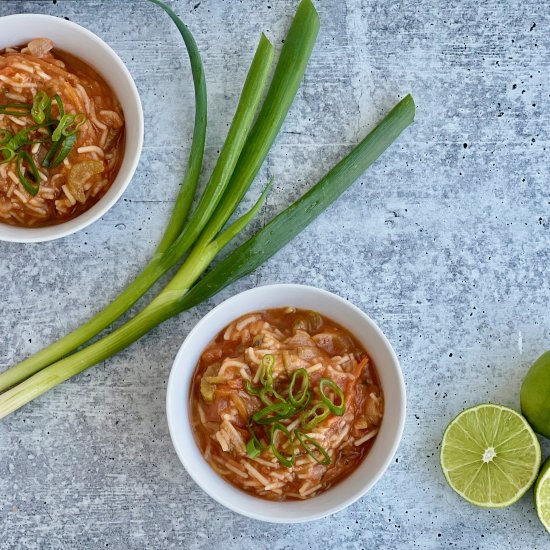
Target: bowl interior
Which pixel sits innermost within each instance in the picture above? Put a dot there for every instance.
(16, 30)
(350, 317)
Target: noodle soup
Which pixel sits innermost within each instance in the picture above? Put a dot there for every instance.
(61, 135)
(285, 403)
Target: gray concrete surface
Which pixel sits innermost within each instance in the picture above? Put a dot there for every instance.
(444, 242)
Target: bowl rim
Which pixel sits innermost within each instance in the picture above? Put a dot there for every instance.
(178, 439)
(18, 234)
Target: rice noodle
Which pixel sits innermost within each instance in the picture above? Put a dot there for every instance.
(246, 321)
(254, 473)
(91, 149)
(365, 438)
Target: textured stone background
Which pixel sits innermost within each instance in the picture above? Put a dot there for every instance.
(444, 243)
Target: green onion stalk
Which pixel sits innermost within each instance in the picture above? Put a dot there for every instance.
(265, 243)
(242, 155)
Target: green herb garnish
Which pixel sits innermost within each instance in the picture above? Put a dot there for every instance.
(39, 104)
(317, 413)
(307, 443)
(299, 398)
(337, 408)
(285, 460)
(266, 369)
(31, 186)
(273, 413)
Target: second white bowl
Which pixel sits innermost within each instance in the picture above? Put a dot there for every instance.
(368, 472)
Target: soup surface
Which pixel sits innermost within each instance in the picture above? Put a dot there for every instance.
(61, 135)
(285, 403)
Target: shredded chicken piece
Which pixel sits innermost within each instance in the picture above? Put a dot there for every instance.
(40, 47)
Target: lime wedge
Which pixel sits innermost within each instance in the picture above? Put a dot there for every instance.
(490, 455)
(542, 495)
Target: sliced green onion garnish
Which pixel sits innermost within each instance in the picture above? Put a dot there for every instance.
(256, 443)
(32, 187)
(7, 153)
(313, 416)
(288, 460)
(22, 137)
(48, 108)
(273, 413)
(65, 149)
(73, 128)
(306, 440)
(5, 136)
(65, 122)
(266, 391)
(15, 109)
(337, 409)
(54, 149)
(254, 390)
(300, 397)
(252, 449)
(59, 102)
(266, 374)
(19, 139)
(39, 104)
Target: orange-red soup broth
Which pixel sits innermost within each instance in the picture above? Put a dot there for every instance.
(250, 364)
(69, 87)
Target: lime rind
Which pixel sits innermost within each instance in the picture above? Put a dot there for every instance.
(542, 495)
(512, 463)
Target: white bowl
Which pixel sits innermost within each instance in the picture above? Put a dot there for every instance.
(16, 30)
(368, 472)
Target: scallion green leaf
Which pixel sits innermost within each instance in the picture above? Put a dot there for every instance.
(188, 186)
(288, 75)
(52, 152)
(60, 107)
(231, 152)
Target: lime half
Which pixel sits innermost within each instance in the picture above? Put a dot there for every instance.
(490, 455)
(542, 495)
